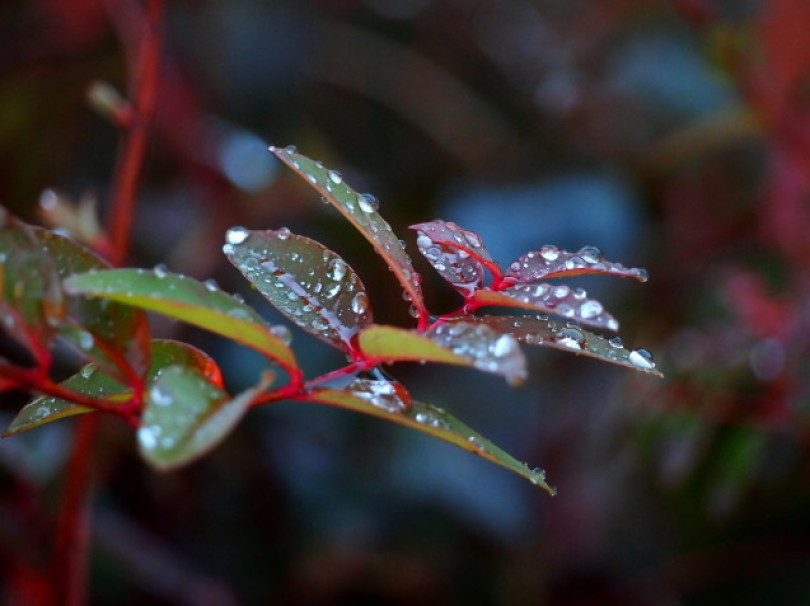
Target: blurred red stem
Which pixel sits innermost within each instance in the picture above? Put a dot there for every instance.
(69, 572)
(131, 156)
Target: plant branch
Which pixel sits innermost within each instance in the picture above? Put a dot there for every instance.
(131, 157)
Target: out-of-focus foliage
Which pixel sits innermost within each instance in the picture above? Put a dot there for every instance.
(676, 130)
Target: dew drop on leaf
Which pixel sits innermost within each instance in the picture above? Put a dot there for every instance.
(368, 203)
(641, 358)
(548, 252)
(236, 235)
(335, 177)
(337, 269)
(160, 271)
(360, 303)
(283, 233)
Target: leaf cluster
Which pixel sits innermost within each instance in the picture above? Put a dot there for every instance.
(52, 287)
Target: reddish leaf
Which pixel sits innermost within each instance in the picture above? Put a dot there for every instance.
(459, 253)
(306, 281)
(572, 338)
(361, 211)
(572, 303)
(551, 262)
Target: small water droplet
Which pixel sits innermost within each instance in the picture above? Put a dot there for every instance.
(575, 263)
(413, 311)
(160, 396)
(335, 177)
(283, 233)
(227, 249)
(85, 340)
(319, 324)
(571, 338)
(236, 235)
(337, 269)
(88, 371)
(360, 303)
(160, 270)
(368, 203)
(549, 252)
(291, 149)
(616, 342)
(590, 309)
(147, 437)
(504, 346)
(641, 358)
(211, 285)
(473, 239)
(590, 254)
(641, 274)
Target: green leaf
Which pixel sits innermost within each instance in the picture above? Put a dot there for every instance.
(166, 352)
(457, 342)
(561, 300)
(433, 421)
(201, 304)
(361, 211)
(552, 262)
(187, 415)
(93, 381)
(89, 381)
(307, 282)
(548, 333)
(114, 336)
(31, 301)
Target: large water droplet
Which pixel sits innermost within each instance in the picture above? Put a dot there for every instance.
(367, 203)
(236, 235)
(337, 269)
(641, 358)
(160, 271)
(88, 371)
(360, 303)
(590, 254)
(335, 177)
(590, 309)
(549, 252)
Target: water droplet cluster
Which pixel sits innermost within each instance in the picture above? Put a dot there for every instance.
(308, 283)
(361, 210)
(550, 261)
(559, 299)
(488, 349)
(388, 395)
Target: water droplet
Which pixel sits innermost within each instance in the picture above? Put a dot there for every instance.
(641, 358)
(85, 340)
(160, 271)
(147, 437)
(549, 252)
(236, 235)
(337, 269)
(473, 239)
(616, 342)
(574, 263)
(88, 371)
(291, 149)
(319, 324)
(360, 303)
(504, 346)
(283, 233)
(211, 285)
(367, 203)
(282, 333)
(413, 311)
(590, 309)
(160, 396)
(561, 291)
(641, 274)
(590, 254)
(571, 338)
(227, 249)
(333, 291)
(335, 177)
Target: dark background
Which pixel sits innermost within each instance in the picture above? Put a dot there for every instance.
(675, 135)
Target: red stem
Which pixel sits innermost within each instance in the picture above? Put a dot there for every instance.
(69, 572)
(131, 157)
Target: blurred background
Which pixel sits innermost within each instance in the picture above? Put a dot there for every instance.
(674, 135)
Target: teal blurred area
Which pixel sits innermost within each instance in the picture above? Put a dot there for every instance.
(674, 135)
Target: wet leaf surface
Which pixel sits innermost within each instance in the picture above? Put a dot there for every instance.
(557, 299)
(572, 338)
(103, 331)
(89, 381)
(198, 303)
(186, 415)
(464, 244)
(361, 211)
(448, 251)
(307, 282)
(434, 421)
(93, 381)
(458, 342)
(31, 302)
(552, 262)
